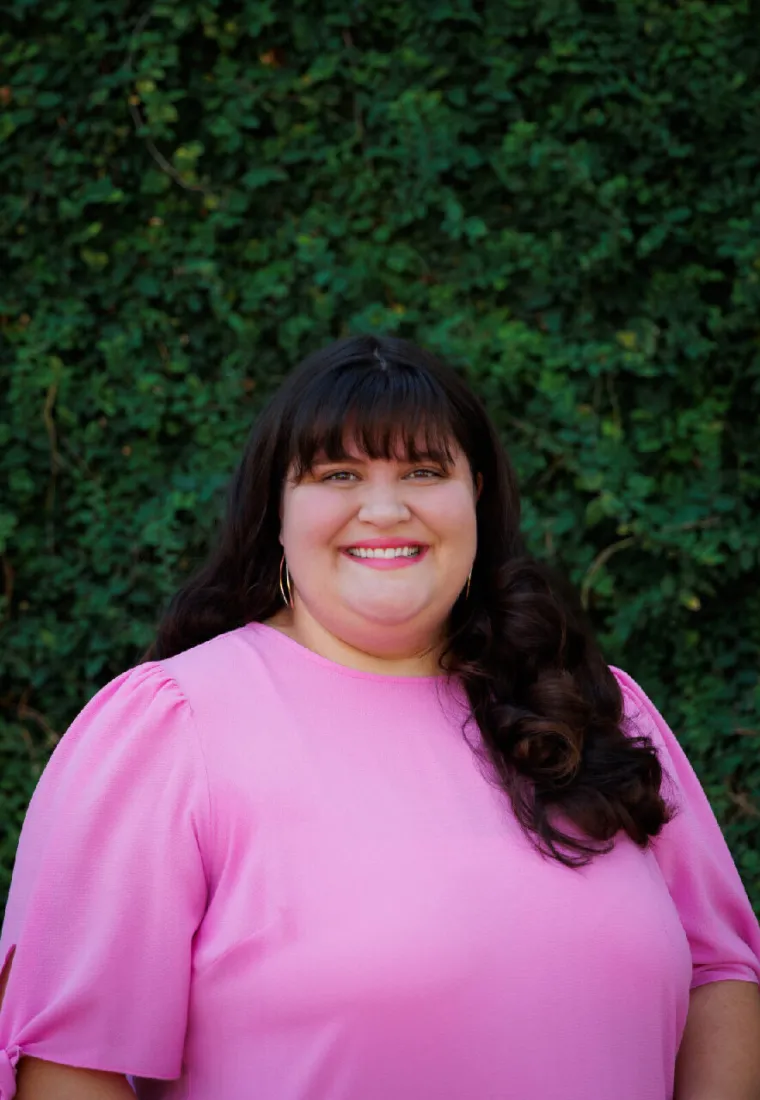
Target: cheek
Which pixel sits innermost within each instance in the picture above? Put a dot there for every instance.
(312, 519)
(452, 515)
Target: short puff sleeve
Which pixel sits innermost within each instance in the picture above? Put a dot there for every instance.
(109, 889)
(700, 873)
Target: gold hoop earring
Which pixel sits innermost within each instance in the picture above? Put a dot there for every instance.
(469, 581)
(287, 599)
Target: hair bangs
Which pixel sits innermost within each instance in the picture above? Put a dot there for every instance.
(383, 411)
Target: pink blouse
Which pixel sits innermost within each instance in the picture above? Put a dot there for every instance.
(248, 871)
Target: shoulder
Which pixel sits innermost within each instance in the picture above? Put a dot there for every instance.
(629, 687)
(142, 698)
(129, 763)
(642, 719)
(638, 707)
(140, 721)
(218, 669)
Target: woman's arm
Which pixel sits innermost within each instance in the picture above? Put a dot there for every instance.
(719, 1056)
(39, 1080)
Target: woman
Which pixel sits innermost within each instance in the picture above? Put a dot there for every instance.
(374, 820)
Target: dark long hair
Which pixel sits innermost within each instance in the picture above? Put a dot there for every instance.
(547, 704)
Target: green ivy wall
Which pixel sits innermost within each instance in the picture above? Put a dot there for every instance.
(563, 198)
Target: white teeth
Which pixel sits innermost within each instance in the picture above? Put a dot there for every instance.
(393, 552)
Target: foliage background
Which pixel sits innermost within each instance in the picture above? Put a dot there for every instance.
(562, 197)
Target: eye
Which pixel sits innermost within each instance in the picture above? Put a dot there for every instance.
(426, 473)
(338, 475)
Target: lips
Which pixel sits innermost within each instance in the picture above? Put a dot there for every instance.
(387, 560)
(386, 554)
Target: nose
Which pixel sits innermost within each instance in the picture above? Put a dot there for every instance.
(383, 506)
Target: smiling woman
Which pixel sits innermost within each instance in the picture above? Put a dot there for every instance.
(374, 818)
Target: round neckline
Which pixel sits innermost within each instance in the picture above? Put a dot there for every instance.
(335, 666)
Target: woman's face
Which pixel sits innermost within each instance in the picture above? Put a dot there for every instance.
(340, 514)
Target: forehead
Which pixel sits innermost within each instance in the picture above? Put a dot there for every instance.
(390, 439)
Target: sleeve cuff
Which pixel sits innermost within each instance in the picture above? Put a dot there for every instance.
(706, 974)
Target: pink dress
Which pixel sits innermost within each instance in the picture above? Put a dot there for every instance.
(250, 872)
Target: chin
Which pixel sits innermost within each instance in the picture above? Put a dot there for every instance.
(383, 613)
(380, 616)
(385, 618)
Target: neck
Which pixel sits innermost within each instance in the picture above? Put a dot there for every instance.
(414, 657)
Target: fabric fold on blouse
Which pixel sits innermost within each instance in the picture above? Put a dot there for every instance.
(8, 1062)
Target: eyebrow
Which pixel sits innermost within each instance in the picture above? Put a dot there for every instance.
(325, 460)
(322, 459)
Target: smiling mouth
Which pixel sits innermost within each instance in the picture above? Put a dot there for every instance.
(386, 554)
